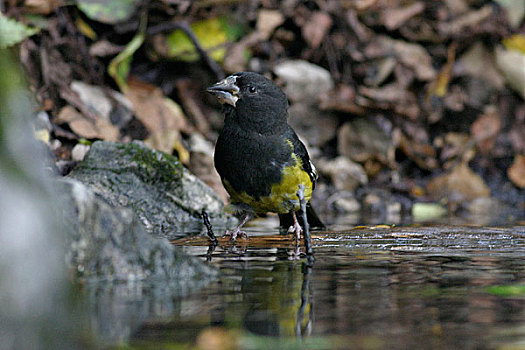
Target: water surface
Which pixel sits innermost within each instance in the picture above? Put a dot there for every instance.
(437, 287)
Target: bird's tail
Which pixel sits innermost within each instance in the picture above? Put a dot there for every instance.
(286, 220)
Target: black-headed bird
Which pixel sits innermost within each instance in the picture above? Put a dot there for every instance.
(258, 156)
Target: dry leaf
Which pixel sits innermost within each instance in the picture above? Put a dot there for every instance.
(267, 21)
(154, 110)
(393, 18)
(485, 130)
(87, 127)
(479, 62)
(458, 185)
(516, 171)
(316, 28)
(410, 54)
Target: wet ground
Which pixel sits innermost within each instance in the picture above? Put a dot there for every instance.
(378, 287)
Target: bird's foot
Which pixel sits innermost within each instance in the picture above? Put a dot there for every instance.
(296, 229)
(234, 234)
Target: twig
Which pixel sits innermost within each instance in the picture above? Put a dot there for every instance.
(209, 229)
(170, 26)
(306, 228)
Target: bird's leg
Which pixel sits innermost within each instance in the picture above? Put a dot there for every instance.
(237, 231)
(296, 227)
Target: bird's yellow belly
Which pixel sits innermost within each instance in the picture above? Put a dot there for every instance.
(283, 196)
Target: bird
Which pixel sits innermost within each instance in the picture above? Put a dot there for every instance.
(258, 155)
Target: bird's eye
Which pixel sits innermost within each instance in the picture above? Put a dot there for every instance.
(252, 89)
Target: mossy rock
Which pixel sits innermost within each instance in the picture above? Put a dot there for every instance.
(165, 196)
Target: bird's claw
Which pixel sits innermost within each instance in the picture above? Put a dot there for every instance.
(234, 234)
(296, 229)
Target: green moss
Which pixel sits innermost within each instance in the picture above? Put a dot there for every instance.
(154, 167)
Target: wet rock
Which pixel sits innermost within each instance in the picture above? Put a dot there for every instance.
(164, 195)
(345, 174)
(37, 308)
(108, 243)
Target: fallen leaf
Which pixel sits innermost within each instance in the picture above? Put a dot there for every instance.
(512, 65)
(410, 54)
(515, 42)
(393, 96)
(166, 141)
(267, 21)
(212, 34)
(458, 185)
(316, 28)
(13, 32)
(153, 109)
(361, 140)
(515, 11)
(479, 62)
(418, 150)
(87, 127)
(485, 130)
(516, 172)
(41, 7)
(104, 48)
(108, 11)
(466, 21)
(393, 18)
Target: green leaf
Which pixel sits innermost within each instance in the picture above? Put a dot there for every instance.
(13, 32)
(118, 68)
(108, 11)
(507, 291)
(213, 34)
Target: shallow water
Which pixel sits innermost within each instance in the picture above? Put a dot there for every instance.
(375, 287)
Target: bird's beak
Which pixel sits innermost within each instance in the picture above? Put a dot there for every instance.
(225, 90)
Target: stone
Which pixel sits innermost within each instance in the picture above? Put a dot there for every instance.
(164, 195)
(110, 244)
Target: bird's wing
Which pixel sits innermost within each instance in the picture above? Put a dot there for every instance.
(302, 153)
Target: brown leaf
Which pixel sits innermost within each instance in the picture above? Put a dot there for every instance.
(485, 130)
(316, 28)
(411, 55)
(466, 21)
(87, 127)
(341, 99)
(516, 172)
(479, 62)
(267, 21)
(361, 140)
(393, 18)
(153, 109)
(396, 97)
(458, 185)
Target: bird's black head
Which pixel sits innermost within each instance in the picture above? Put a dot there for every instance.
(252, 100)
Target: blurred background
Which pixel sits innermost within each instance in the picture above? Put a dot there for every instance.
(411, 110)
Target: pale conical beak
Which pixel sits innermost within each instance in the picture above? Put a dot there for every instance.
(225, 90)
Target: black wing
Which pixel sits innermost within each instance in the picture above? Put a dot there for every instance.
(302, 153)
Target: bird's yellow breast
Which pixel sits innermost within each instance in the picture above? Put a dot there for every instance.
(283, 195)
